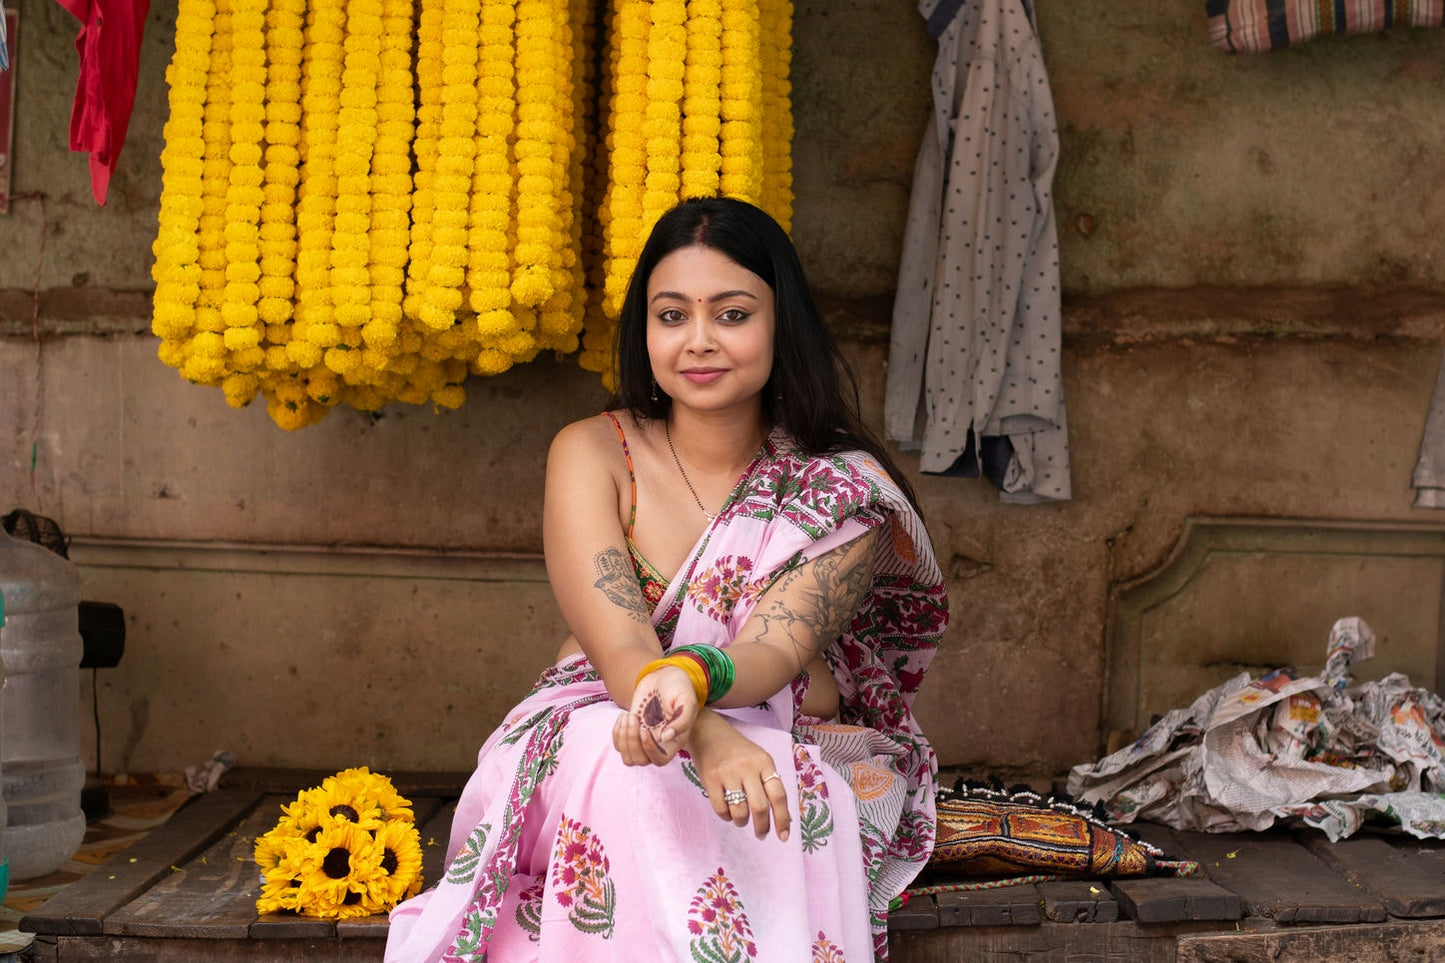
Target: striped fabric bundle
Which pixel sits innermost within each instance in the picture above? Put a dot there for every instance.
(1259, 26)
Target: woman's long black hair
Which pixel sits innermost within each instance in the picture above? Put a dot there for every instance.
(804, 395)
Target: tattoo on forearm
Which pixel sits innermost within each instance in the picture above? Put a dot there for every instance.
(809, 606)
(619, 584)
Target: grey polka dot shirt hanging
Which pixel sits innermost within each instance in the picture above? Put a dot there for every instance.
(973, 363)
(1430, 468)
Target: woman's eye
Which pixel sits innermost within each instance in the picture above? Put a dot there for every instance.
(671, 316)
(735, 316)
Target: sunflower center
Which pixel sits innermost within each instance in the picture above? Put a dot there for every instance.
(351, 899)
(337, 863)
(345, 812)
(388, 861)
(313, 833)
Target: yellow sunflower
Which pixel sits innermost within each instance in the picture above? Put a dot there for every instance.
(400, 876)
(279, 854)
(303, 817)
(279, 892)
(337, 870)
(370, 794)
(274, 847)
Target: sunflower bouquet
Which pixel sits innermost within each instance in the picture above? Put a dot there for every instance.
(346, 848)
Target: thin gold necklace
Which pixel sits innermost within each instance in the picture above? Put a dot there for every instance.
(667, 433)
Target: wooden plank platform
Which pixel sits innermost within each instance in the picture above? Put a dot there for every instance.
(187, 891)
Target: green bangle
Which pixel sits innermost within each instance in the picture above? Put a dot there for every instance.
(719, 665)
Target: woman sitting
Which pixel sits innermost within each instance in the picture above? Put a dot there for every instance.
(722, 764)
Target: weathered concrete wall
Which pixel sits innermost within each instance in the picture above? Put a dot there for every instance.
(1255, 302)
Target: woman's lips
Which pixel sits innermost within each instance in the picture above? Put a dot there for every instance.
(703, 376)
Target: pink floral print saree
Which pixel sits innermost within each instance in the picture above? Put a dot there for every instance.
(559, 852)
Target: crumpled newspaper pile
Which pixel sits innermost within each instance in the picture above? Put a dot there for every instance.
(1313, 749)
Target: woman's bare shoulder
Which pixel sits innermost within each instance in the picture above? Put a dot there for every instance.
(589, 444)
(586, 434)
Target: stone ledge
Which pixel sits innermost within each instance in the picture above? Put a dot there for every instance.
(281, 559)
(1090, 322)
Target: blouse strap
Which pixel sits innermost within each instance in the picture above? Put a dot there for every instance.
(632, 476)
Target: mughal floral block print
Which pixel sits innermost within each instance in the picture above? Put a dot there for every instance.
(720, 926)
(813, 809)
(580, 879)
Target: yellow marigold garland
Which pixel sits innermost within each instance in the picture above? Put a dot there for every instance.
(775, 58)
(597, 330)
(391, 184)
(537, 220)
(177, 269)
(285, 25)
(203, 357)
(702, 101)
(355, 138)
(560, 318)
(741, 93)
(314, 330)
(662, 126)
(329, 236)
(430, 44)
(244, 197)
(557, 321)
(451, 188)
(627, 162)
(489, 260)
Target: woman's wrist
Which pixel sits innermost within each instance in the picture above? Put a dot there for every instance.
(690, 667)
(705, 726)
(715, 665)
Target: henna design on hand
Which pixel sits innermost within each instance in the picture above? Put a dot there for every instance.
(654, 719)
(652, 711)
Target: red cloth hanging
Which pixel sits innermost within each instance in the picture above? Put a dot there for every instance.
(109, 47)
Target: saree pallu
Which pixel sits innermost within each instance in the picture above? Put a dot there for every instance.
(560, 852)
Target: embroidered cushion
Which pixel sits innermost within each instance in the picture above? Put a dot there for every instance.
(984, 830)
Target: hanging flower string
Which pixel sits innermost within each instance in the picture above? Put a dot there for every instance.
(429, 47)
(365, 201)
(627, 161)
(205, 355)
(177, 269)
(591, 227)
(776, 58)
(489, 252)
(244, 196)
(662, 121)
(391, 190)
(559, 316)
(741, 93)
(702, 102)
(285, 25)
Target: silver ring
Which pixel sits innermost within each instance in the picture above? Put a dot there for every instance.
(735, 797)
(773, 776)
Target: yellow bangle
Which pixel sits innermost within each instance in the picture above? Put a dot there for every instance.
(694, 672)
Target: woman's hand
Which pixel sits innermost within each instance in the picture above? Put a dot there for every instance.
(660, 720)
(729, 762)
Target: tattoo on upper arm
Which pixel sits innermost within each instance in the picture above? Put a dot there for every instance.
(808, 607)
(619, 584)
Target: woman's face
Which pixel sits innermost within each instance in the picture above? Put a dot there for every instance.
(710, 325)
